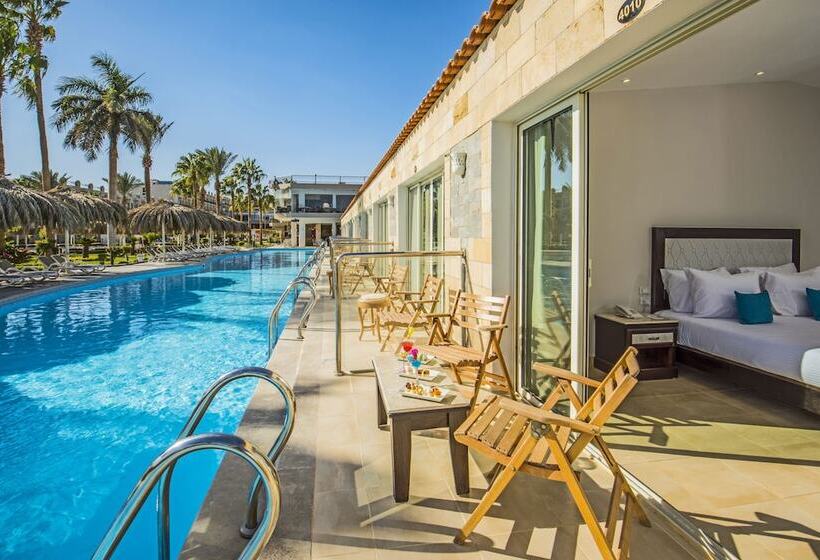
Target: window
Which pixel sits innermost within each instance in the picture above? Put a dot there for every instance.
(425, 231)
(363, 232)
(382, 222)
(343, 201)
(424, 216)
(318, 202)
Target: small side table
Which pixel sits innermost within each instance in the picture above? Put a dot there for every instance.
(373, 303)
(405, 415)
(655, 341)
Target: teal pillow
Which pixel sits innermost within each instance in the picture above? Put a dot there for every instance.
(814, 302)
(754, 309)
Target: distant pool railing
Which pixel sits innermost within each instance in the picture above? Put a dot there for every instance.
(307, 277)
(161, 471)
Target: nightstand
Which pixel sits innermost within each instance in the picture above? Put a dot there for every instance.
(654, 339)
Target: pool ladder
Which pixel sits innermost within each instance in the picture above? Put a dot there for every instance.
(161, 470)
(307, 279)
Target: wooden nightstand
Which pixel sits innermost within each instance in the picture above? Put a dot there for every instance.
(654, 339)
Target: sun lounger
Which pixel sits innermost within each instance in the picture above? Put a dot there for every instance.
(27, 272)
(84, 268)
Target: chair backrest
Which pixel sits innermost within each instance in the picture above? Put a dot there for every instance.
(5, 265)
(612, 391)
(47, 261)
(471, 312)
(398, 276)
(431, 288)
(608, 396)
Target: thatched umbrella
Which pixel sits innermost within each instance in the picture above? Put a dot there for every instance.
(91, 209)
(20, 206)
(162, 215)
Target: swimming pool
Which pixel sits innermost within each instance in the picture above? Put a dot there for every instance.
(96, 381)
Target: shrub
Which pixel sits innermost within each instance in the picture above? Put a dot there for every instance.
(45, 246)
(86, 242)
(14, 254)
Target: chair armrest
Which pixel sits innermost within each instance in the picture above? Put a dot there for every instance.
(437, 315)
(553, 371)
(404, 293)
(546, 417)
(488, 328)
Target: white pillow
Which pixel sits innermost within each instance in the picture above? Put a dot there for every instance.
(678, 288)
(788, 291)
(788, 267)
(713, 294)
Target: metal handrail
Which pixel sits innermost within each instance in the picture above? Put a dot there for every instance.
(273, 318)
(315, 258)
(466, 282)
(338, 243)
(224, 442)
(197, 414)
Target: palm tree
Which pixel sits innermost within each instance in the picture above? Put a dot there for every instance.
(230, 184)
(94, 111)
(34, 180)
(192, 172)
(36, 16)
(250, 173)
(125, 185)
(11, 66)
(147, 133)
(218, 159)
(266, 202)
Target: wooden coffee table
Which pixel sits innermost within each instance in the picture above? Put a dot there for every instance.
(407, 414)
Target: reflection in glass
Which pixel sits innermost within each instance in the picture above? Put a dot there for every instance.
(548, 247)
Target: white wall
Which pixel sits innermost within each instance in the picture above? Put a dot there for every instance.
(738, 155)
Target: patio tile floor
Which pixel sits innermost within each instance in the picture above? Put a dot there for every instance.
(337, 479)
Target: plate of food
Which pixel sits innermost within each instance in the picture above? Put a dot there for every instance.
(426, 374)
(424, 392)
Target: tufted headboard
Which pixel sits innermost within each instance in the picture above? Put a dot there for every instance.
(707, 248)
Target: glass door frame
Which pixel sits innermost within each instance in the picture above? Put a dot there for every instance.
(580, 266)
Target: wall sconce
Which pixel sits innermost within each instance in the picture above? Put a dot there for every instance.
(458, 164)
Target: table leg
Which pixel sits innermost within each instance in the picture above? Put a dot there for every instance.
(381, 413)
(458, 453)
(400, 435)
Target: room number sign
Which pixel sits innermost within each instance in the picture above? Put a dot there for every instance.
(629, 10)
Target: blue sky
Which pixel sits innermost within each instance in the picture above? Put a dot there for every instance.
(314, 86)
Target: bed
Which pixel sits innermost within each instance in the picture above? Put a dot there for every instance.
(781, 359)
(789, 347)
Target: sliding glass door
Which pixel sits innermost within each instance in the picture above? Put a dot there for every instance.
(552, 266)
(382, 222)
(424, 225)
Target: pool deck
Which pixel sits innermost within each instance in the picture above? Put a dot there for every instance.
(337, 483)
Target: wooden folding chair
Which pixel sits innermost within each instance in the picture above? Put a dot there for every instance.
(481, 319)
(381, 283)
(354, 274)
(413, 309)
(534, 440)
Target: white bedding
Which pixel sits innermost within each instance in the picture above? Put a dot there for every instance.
(789, 347)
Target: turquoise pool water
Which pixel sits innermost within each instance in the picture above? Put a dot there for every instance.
(96, 382)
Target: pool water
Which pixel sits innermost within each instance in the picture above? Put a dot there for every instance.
(95, 382)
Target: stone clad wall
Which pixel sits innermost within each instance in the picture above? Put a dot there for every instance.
(535, 41)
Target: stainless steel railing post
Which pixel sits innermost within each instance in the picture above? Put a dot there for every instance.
(223, 442)
(201, 408)
(273, 318)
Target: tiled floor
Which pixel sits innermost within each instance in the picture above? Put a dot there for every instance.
(745, 469)
(337, 483)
